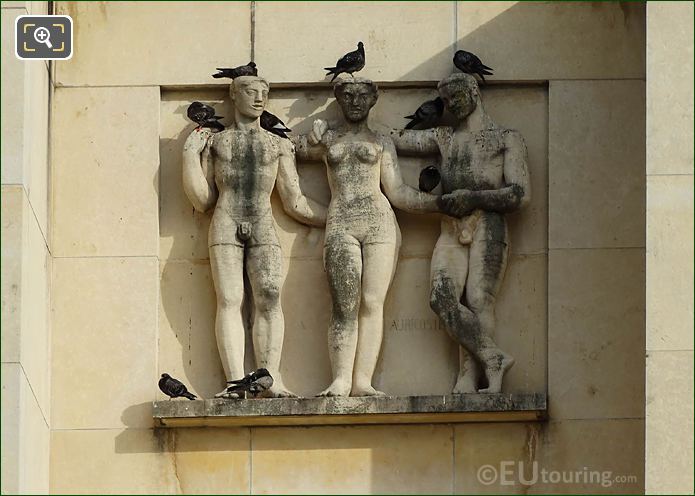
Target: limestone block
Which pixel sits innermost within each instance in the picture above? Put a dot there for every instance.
(596, 177)
(669, 262)
(396, 47)
(669, 422)
(511, 458)
(670, 100)
(36, 107)
(541, 40)
(14, 4)
(596, 333)
(212, 461)
(12, 229)
(206, 35)
(132, 461)
(12, 89)
(187, 349)
(11, 373)
(104, 342)
(306, 304)
(104, 178)
(417, 355)
(353, 460)
(35, 336)
(34, 435)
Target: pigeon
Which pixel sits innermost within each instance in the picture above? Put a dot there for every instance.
(349, 63)
(427, 115)
(429, 178)
(255, 383)
(174, 388)
(470, 64)
(273, 124)
(204, 116)
(243, 70)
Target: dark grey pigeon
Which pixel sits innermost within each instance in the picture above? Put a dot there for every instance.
(273, 124)
(174, 388)
(429, 178)
(204, 116)
(427, 115)
(470, 64)
(349, 63)
(255, 383)
(235, 72)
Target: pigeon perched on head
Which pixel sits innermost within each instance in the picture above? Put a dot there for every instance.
(429, 178)
(255, 383)
(204, 116)
(273, 124)
(470, 64)
(174, 388)
(349, 63)
(427, 115)
(235, 72)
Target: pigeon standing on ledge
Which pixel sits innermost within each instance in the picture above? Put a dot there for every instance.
(255, 383)
(471, 64)
(204, 116)
(174, 388)
(349, 63)
(273, 124)
(235, 72)
(427, 115)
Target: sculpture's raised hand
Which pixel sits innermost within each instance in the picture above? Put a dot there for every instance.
(317, 131)
(197, 140)
(458, 203)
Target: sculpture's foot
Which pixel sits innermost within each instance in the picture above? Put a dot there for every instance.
(226, 395)
(466, 384)
(338, 388)
(496, 365)
(366, 390)
(279, 391)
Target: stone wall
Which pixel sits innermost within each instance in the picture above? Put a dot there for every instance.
(131, 288)
(26, 263)
(669, 344)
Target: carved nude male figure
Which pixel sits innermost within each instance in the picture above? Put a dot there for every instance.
(484, 176)
(235, 171)
(362, 235)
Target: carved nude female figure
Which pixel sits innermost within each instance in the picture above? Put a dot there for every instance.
(362, 235)
(235, 171)
(484, 176)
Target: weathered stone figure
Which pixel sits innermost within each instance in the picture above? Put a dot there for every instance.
(484, 176)
(362, 235)
(235, 170)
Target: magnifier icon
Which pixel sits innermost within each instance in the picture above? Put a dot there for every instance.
(43, 35)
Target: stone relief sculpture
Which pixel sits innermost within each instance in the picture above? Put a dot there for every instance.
(362, 236)
(484, 175)
(235, 171)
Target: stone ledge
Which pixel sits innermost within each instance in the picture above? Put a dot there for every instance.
(336, 411)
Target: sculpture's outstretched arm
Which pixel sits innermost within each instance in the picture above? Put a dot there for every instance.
(514, 195)
(198, 176)
(400, 194)
(296, 204)
(413, 142)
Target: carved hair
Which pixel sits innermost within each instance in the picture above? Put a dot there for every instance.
(339, 86)
(459, 82)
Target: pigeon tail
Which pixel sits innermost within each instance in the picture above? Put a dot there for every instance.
(412, 124)
(486, 67)
(485, 71)
(411, 116)
(188, 395)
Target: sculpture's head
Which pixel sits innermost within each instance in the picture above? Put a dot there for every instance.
(460, 94)
(356, 97)
(250, 95)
